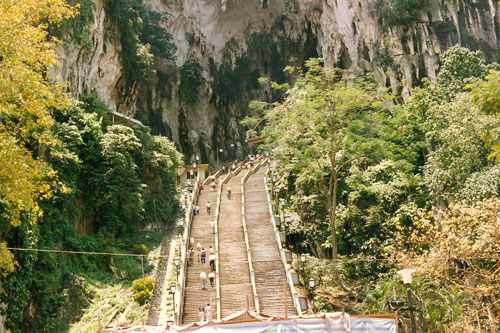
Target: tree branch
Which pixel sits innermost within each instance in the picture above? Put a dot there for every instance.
(347, 162)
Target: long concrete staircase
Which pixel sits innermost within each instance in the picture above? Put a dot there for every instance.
(270, 276)
(234, 277)
(236, 288)
(194, 296)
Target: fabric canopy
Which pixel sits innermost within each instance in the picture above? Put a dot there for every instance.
(250, 322)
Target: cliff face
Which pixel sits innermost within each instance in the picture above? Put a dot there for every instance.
(235, 42)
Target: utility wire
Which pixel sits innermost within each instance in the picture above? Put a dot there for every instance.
(77, 252)
(145, 255)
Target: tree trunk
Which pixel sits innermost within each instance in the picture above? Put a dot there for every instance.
(333, 216)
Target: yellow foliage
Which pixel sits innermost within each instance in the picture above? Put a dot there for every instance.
(140, 249)
(21, 180)
(142, 289)
(6, 260)
(26, 97)
(459, 245)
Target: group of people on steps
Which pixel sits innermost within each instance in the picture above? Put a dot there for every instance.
(205, 312)
(202, 259)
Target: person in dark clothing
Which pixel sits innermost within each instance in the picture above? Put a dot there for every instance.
(211, 277)
(211, 259)
(203, 255)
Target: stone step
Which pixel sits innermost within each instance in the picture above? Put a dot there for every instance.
(194, 296)
(236, 288)
(234, 270)
(270, 276)
(235, 297)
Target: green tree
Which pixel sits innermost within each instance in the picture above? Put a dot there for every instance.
(485, 94)
(450, 125)
(120, 202)
(310, 129)
(27, 97)
(454, 132)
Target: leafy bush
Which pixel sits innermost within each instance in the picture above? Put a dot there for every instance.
(400, 12)
(142, 289)
(142, 297)
(140, 249)
(124, 268)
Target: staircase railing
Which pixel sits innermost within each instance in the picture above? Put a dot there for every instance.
(181, 283)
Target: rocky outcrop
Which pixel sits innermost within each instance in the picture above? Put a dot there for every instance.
(237, 41)
(95, 70)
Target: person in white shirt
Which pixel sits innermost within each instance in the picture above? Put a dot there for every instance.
(212, 226)
(211, 259)
(208, 310)
(203, 278)
(211, 278)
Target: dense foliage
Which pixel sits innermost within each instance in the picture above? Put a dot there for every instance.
(234, 77)
(141, 36)
(191, 81)
(415, 185)
(70, 179)
(26, 96)
(313, 129)
(76, 29)
(400, 12)
(111, 172)
(142, 289)
(457, 260)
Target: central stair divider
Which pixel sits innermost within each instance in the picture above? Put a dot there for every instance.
(245, 231)
(217, 268)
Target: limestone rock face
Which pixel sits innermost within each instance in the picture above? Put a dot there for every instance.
(97, 70)
(269, 35)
